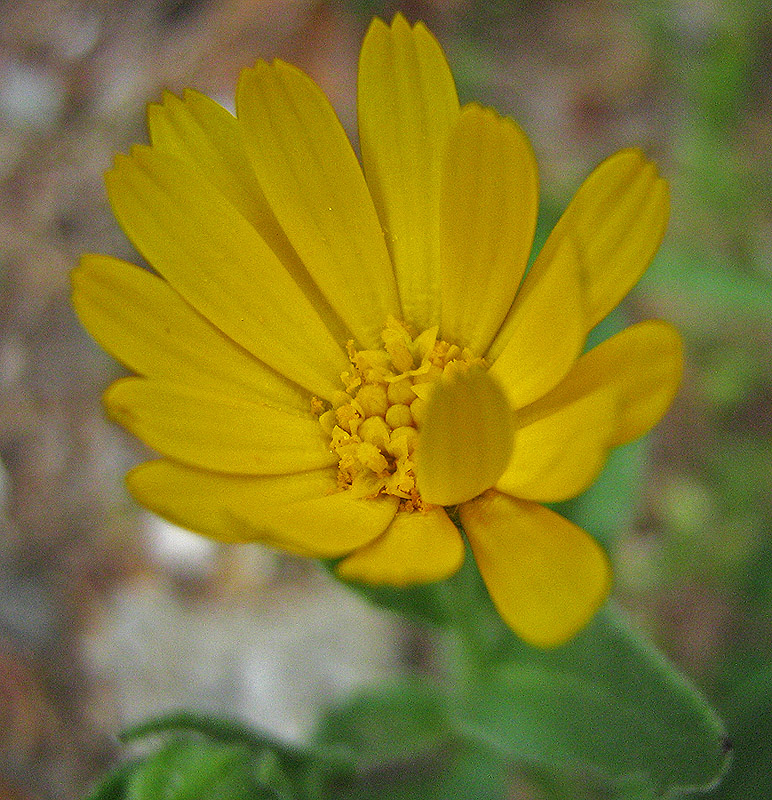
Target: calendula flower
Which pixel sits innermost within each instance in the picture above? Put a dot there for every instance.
(342, 360)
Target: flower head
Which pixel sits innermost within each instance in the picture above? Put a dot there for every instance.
(332, 358)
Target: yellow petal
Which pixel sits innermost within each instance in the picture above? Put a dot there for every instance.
(545, 575)
(140, 320)
(465, 439)
(544, 332)
(217, 431)
(301, 513)
(407, 104)
(617, 220)
(418, 547)
(643, 363)
(560, 455)
(488, 206)
(206, 136)
(198, 241)
(315, 187)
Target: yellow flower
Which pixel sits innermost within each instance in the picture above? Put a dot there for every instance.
(333, 358)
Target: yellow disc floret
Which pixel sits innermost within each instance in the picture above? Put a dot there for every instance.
(374, 422)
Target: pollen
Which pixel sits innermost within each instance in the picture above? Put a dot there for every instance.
(374, 421)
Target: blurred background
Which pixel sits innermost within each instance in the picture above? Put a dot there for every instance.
(108, 614)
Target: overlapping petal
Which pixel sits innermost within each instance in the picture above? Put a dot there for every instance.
(206, 136)
(644, 364)
(315, 188)
(197, 240)
(617, 220)
(300, 513)
(218, 431)
(488, 205)
(560, 455)
(545, 575)
(145, 324)
(407, 104)
(466, 438)
(416, 548)
(544, 332)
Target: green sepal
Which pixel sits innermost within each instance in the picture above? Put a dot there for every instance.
(419, 603)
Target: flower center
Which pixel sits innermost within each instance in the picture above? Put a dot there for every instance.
(374, 421)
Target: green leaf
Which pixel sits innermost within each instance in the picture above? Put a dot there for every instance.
(751, 727)
(218, 729)
(403, 748)
(395, 722)
(184, 770)
(479, 773)
(607, 703)
(113, 786)
(271, 775)
(451, 775)
(283, 770)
